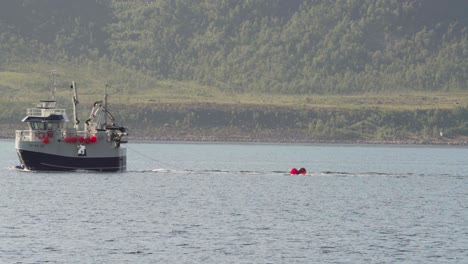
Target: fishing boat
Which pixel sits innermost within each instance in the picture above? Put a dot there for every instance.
(50, 144)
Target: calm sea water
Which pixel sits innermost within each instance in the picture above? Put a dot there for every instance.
(228, 203)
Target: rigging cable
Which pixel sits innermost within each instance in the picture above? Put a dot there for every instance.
(153, 159)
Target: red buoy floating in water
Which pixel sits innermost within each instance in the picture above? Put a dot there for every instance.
(295, 171)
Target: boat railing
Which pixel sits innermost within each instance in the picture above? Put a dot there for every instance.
(28, 135)
(44, 112)
(73, 133)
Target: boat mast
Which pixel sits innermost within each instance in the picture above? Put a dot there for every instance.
(105, 103)
(75, 102)
(53, 89)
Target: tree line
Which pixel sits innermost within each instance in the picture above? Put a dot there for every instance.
(263, 46)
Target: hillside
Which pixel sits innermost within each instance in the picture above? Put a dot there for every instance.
(262, 46)
(355, 69)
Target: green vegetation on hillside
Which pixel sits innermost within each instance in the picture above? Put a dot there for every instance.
(258, 46)
(356, 69)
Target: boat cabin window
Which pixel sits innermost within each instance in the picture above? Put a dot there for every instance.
(41, 126)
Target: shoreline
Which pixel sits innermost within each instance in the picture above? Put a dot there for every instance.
(308, 142)
(295, 142)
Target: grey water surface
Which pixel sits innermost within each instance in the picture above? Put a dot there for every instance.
(236, 203)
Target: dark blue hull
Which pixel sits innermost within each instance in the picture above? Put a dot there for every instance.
(38, 161)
